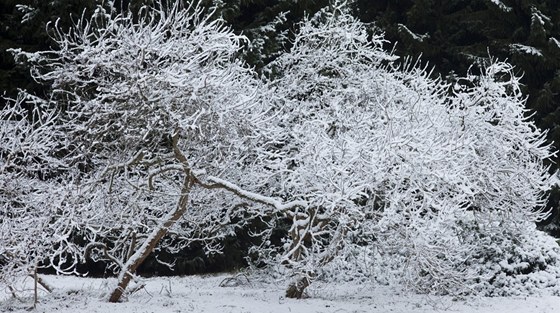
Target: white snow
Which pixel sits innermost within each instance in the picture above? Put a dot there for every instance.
(538, 17)
(414, 35)
(203, 294)
(517, 47)
(501, 5)
(555, 41)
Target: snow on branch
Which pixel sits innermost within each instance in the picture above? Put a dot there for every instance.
(280, 207)
(524, 49)
(501, 5)
(414, 36)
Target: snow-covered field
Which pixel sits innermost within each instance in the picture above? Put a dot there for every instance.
(204, 294)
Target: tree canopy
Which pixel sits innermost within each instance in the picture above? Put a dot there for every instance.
(452, 35)
(154, 132)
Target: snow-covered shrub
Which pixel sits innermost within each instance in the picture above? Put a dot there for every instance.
(492, 177)
(516, 261)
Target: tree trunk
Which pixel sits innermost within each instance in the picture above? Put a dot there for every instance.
(35, 290)
(152, 241)
(297, 288)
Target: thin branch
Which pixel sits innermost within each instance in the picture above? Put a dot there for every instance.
(162, 170)
(102, 247)
(135, 160)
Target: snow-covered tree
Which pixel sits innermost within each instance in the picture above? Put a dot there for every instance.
(150, 105)
(453, 34)
(32, 195)
(160, 136)
(388, 160)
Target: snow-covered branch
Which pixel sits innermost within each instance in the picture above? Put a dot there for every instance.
(215, 182)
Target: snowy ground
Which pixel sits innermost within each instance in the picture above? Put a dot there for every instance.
(204, 294)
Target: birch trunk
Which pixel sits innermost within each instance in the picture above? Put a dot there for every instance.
(152, 241)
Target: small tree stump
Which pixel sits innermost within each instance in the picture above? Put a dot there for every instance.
(297, 288)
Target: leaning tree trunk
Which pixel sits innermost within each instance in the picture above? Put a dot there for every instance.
(152, 241)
